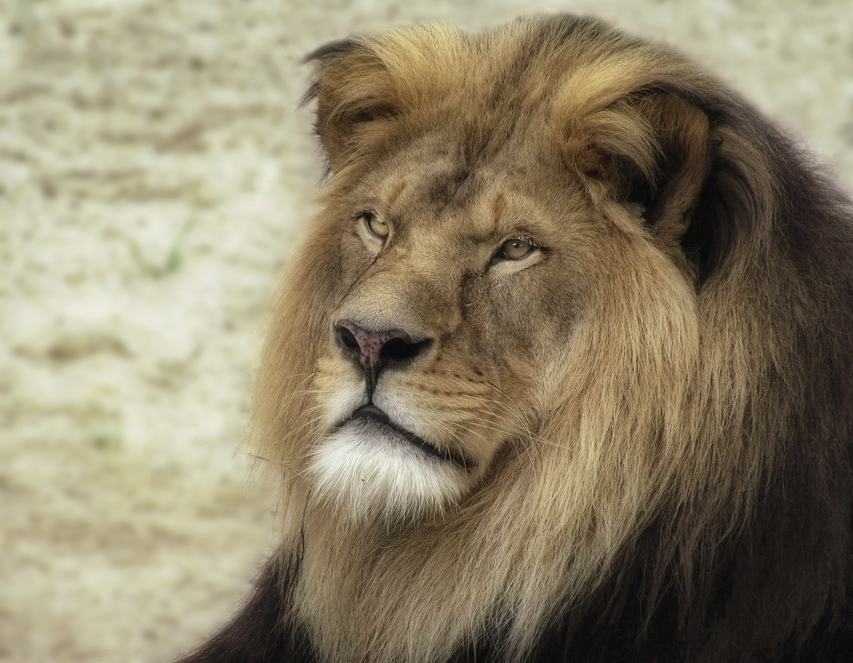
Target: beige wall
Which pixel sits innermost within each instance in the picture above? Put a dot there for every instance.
(153, 176)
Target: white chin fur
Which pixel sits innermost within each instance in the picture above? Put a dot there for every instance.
(374, 475)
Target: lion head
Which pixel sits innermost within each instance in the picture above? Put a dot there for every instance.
(563, 361)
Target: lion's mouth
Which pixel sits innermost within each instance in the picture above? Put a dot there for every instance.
(372, 417)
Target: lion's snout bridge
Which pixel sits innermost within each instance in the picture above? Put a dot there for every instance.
(375, 350)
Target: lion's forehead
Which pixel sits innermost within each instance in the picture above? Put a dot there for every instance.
(438, 192)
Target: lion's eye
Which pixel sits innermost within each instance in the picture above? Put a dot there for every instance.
(516, 248)
(375, 226)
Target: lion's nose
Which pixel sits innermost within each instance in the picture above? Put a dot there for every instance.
(374, 350)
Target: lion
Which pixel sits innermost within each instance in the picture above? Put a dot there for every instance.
(562, 370)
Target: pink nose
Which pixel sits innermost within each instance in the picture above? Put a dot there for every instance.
(375, 350)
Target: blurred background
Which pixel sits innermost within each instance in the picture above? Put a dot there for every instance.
(154, 175)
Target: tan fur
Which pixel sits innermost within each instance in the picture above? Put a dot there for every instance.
(594, 391)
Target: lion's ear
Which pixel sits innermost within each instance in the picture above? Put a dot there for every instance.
(366, 87)
(650, 150)
(356, 98)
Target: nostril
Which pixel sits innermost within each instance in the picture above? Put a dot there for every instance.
(398, 350)
(346, 340)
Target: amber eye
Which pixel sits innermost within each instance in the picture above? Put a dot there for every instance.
(516, 248)
(376, 226)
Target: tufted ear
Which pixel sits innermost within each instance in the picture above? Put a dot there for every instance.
(650, 150)
(369, 88)
(356, 99)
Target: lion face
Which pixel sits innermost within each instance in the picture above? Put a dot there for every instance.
(456, 274)
(459, 286)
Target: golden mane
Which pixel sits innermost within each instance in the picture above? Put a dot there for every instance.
(681, 482)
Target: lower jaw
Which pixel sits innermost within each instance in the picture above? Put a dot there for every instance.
(381, 478)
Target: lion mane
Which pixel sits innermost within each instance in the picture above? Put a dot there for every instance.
(562, 370)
